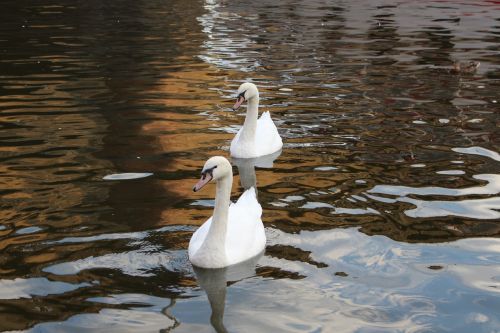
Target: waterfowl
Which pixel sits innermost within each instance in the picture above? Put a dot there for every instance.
(235, 232)
(257, 137)
(468, 67)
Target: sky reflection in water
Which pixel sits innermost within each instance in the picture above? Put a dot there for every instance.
(361, 281)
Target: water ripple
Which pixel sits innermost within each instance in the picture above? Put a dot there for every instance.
(382, 132)
(28, 288)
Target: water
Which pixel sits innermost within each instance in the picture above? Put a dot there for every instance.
(381, 212)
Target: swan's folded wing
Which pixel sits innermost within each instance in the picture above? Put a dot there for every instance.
(245, 235)
(249, 200)
(267, 137)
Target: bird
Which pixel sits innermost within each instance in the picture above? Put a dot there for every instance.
(257, 137)
(468, 67)
(235, 232)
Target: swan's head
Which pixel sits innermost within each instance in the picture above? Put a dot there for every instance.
(246, 92)
(215, 168)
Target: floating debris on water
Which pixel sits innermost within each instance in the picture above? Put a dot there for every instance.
(127, 175)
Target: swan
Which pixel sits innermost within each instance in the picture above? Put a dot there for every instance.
(235, 232)
(257, 137)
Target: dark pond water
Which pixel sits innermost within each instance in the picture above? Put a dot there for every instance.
(382, 212)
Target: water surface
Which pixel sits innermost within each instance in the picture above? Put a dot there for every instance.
(382, 210)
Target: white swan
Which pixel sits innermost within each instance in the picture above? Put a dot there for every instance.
(257, 137)
(235, 232)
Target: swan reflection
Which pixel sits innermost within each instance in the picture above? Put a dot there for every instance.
(214, 283)
(246, 168)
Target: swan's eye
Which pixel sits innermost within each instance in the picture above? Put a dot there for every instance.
(242, 95)
(208, 171)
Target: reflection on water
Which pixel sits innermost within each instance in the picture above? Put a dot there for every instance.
(387, 150)
(26, 288)
(486, 208)
(246, 168)
(387, 285)
(214, 281)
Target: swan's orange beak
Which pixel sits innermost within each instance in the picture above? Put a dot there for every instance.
(239, 101)
(204, 180)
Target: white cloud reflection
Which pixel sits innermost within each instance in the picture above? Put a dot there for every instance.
(387, 286)
(475, 208)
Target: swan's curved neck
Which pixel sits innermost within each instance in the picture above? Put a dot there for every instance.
(250, 124)
(216, 237)
(222, 200)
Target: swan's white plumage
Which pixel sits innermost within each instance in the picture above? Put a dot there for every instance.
(267, 140)
(261, 136)
(245, 237)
